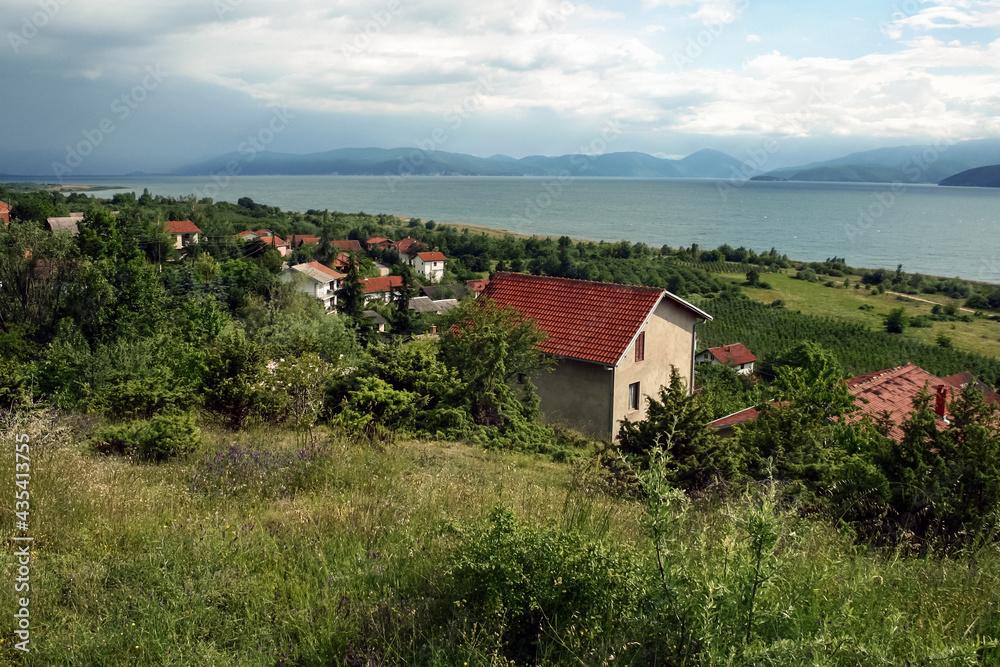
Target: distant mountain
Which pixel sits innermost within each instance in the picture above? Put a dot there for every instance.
(405, 161)
(900, 164)
(980, 177)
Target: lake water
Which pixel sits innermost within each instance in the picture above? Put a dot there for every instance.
(926, 228)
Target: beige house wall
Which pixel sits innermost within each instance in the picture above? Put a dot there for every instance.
(577, 394)
(668, 342)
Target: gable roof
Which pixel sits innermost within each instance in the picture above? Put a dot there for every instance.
(378, 240)
(892, 390)
(318, 272)
(965, 378)
(275, 240)
(302, 239)
(63, 224)
(424, 304)
(4, 206)
(381, 284)
(432, 256)
(404, 245)
(181, 227)
(346, 246)
(735, 354)
(478, 284)
(584, 320)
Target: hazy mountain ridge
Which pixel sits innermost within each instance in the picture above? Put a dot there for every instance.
(922, 163)
(980, 177)
(405, 161)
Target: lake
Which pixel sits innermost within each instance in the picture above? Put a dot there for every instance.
(926, 228)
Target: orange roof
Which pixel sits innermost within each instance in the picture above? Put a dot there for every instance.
(277, 241)
(478, 284)
(748, 414)
(432, 256)
(5, 207)
(963, 379)
(381, 284)
(584, 320)
(327, 270)
(734, 354)
(893, 390)
(181, 227)
(376, 240)
(303, 239)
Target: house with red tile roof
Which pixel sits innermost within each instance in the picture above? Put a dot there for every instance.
(381, 288)
(5, 210)
(299, 240)
(184, 232)
(736, 356)
(477, 286)
(613, 345)
(408, 246)
(315, 280)
(278, 244)
(348, 245)
(378, 241)
(962, 380)
(430, 265)
(887, 393)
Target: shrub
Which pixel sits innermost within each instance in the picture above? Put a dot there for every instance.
(158, 439)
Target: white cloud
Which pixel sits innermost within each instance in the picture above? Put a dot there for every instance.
(753, 38)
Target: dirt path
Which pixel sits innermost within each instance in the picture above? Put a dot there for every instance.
(917, 298)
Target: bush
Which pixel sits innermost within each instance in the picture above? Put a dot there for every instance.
(160, 438)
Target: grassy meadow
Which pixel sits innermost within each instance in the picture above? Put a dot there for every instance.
(261, 549)
(981, 336)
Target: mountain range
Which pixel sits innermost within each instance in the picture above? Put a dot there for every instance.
(903, 164)
(410, 161)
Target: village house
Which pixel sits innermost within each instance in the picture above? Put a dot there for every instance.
(5, 210)
(316, 280)
(278, 244)
(888, 392)
(184, 232)
(377, 320)
(407, 248)
(248, 235)
(296, 241)
(67, 223)
(477, 286)
(378, 242)
(424, 304)
(613, 345)
(430, 265)
(736, 356)
(381, 288)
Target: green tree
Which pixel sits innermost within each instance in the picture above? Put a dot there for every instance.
(896, 320)
(351, 298)
(677, 420)
(491, 346)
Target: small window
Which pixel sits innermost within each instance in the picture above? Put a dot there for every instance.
(633, 396)
(640, 346)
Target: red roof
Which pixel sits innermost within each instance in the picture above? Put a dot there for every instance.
(893, 390)
(733, 355)
(346, 246)
(327, 270)
(584, 320)
(4, 207)
(303, 239)
(381, 284)
(478, 285)
(247, 232)
(181, 227)
(962, 380)
(378, 240)
(404, 245)
(748, 414)
(432, 256)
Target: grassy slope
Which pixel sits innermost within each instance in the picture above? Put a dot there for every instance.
(981, 336)
(130, 567)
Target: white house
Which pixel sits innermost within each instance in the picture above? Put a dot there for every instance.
(184, 232)
(319, 281)
(736, 356)
(430, 265)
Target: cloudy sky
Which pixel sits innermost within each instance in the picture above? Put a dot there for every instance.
(155, 85)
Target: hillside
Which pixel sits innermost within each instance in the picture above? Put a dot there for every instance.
(980, 177)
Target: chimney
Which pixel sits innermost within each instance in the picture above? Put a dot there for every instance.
(940, 401)
(434, 329)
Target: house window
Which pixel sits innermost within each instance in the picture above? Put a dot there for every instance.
(640, 346)
(633, 396)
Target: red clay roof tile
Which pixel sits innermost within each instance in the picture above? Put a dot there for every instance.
(734, 354)
(181, 227)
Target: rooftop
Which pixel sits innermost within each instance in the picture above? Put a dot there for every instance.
(381, 284)
(181, 227)
(732, 355)
(432, 256)
(584, 320)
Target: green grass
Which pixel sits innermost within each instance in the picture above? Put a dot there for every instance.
(981, 336)
(393, 556)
